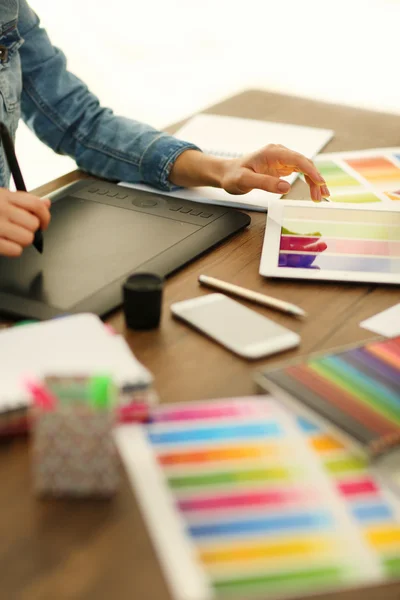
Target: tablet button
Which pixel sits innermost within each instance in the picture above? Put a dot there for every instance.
(112, 194)
(102, 192)
(92, 190)
(185, 210)
(144, 202)
(175, 208)
(205, 215)
(195, 213)
(121, 196)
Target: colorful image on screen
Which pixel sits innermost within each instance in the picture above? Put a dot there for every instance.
(340, 240)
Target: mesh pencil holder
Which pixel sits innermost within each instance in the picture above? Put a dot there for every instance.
(73, 451)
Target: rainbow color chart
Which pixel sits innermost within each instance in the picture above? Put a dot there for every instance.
(243, 499)
(362, 177)
(359, 241)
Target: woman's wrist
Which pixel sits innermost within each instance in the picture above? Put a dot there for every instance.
(193, 168)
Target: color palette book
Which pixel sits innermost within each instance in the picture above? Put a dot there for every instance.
(356, 391)
(362, 177)
(243, 499)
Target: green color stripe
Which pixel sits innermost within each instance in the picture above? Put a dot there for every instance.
(224, 477)
(392, 566)
(324, 576)
(347, 230)
(349, 464)
(357, 394)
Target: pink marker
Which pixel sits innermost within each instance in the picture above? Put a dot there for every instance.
(42, 398)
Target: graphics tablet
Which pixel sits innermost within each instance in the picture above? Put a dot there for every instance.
(99, 234)
(325, 241)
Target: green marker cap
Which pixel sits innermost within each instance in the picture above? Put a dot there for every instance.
(101, 391)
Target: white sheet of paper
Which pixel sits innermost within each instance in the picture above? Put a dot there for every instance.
(385, 323)
(232, 137)
(74, 344)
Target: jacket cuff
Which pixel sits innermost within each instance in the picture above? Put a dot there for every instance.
(157, 160)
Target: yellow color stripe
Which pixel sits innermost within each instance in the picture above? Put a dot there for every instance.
(291, 548)
(384, 536)
(322, 443)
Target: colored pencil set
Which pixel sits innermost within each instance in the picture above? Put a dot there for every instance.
(244, 499)
(356, 391)
(72, 419)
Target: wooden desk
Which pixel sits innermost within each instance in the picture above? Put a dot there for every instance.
(93, 550)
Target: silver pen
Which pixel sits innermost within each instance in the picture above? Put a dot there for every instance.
(256, 297)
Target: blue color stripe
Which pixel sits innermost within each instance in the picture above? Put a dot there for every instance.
(228, 432)
(372, 512)
(300, 521)
(307, 426)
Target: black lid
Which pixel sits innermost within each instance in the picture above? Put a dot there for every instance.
(142, 293)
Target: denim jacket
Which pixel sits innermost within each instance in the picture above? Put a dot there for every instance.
(65, 115)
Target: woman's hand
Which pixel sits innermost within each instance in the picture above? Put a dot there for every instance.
(261, 170)
(21, 214)
(264, 168)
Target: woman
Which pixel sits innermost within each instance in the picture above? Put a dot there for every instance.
(64, 114)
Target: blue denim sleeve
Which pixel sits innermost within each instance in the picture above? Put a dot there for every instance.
(66, 116)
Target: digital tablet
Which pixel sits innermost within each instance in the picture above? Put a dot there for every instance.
(304, 240)
(98, 235)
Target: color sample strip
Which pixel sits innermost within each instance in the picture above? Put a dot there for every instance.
(392, 566)
(345, 465)
(220, 454)
(335, 176)
(270, 498)
(346, 229)
(378, 170)
(357, 488)
(210, 410)
(355, 198)
(236, 477)
(340, 246)
(210, 434)
(384, 537)
(294, 579)
(370, 513)
(301, 547)
(332, 262)
(312, 214)
(287, 522)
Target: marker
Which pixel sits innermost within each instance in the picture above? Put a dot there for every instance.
(256, 297)
(41, 396)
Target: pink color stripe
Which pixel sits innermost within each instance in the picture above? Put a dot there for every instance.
(270, 498)
(209, 412)
(354, 488)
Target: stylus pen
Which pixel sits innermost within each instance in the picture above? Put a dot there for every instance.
(256, 297)
(17, 176)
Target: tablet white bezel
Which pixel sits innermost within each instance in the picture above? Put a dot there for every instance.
(270, 252)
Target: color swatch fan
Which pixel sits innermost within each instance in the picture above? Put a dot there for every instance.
(356, 391)
(244, 500)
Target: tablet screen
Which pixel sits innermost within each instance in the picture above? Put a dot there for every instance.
(333, 243)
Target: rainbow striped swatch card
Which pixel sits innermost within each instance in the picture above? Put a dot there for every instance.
(243, 499)
(356, 391)
(362, 177)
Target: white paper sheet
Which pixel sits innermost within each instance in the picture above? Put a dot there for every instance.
(385, 323)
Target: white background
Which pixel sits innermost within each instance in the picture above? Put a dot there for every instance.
(161, 60)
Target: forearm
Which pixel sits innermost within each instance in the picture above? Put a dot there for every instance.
(66, 116)
(193, 168)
